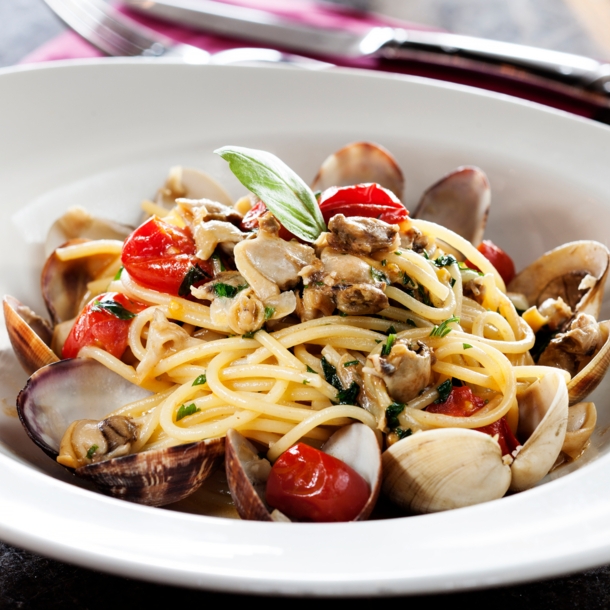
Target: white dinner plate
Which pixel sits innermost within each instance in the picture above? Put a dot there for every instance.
(103, 134)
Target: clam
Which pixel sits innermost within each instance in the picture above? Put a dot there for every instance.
(247, 473)
(30, 335)
(64, 283)
(576, 272)
(78, 223)
(460, 201)
(582, 418)
(357, 163)
(447, 468)
(189, 183)
(55, 396)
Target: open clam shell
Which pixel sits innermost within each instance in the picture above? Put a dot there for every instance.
(590, 376)
(69, 390)
(191, 184)
(582, 418)
(442, 469)
(559, 273)
(64, 283)
(30, 335)
(357, 163)
(447, 468)
(460, 201)
(247, 473)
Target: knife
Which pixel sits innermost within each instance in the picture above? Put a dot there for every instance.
(378, 42)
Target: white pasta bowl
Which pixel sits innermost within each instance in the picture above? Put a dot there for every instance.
(102, 134)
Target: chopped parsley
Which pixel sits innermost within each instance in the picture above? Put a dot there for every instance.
(306, 381)
(193, 275)
(406, 280)
(185, 410)
(342, 314)
(310, 370)
(445, 260)
(410, 323)
(400, 433)
(390, 330)
(442, 329)
(201, 380)
(392, 413)
(378, 276)
(114, 308)
(216, 257)
(383, 262)
(269, 311)
(424, 296)
(398, 252)
(349, 396)
(249, 335)
(387, 348)
(226, 290)
(466, 345)
(426, 255)
(351, 363)
(118, 273)
(330, 374)
(452, 282)
(443, 391)
(92, 451)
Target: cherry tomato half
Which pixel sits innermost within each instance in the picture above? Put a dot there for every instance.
(498, 258)
(369, 200)
(103, 323)
(307, 484)
(159, 256)
(463, 403)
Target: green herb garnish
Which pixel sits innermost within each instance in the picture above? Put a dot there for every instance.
(216, 257)
(310, 370)
(306, 381)
(442, 329)
(193, 275)
(410, 323)
(466, 345)
(185, 410)
(114, 308)
(226, 290)
(249, 335)
(400, 433)
(118, 273)
(349, 396)
(392, 413)
(406, 280)
(351, 363)
(445, 260)
(443, 391)
(383, 262)
(330, 374)
(378, 276)
(390, 330)
(269, 311)
(92, 451)
(387, 348)
(342, 314)
(285, 194)
(201, 380)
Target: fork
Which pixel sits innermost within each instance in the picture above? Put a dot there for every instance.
(114, 34)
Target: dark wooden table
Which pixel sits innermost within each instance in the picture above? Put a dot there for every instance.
(29, 581)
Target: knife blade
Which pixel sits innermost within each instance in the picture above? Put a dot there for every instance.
(378, 42)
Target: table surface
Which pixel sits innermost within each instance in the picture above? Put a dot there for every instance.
(577, 26)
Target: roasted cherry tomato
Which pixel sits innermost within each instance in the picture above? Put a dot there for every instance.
(250, 221)
(309, 485)
(103, 323)
(162, 257)
(498, 258)
(370, 200)
(463, 403)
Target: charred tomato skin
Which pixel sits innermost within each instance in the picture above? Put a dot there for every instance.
(307, 484)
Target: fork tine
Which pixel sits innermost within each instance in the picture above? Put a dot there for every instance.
(108, 30)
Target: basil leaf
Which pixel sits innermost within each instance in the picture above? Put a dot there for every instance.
(185, 410)
(114, 308)
(285, 194)
(193, 275)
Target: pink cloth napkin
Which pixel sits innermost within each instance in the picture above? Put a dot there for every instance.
(502, 79)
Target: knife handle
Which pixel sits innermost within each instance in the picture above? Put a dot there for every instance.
(575, 70)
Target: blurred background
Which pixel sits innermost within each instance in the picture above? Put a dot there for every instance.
(575, 26)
